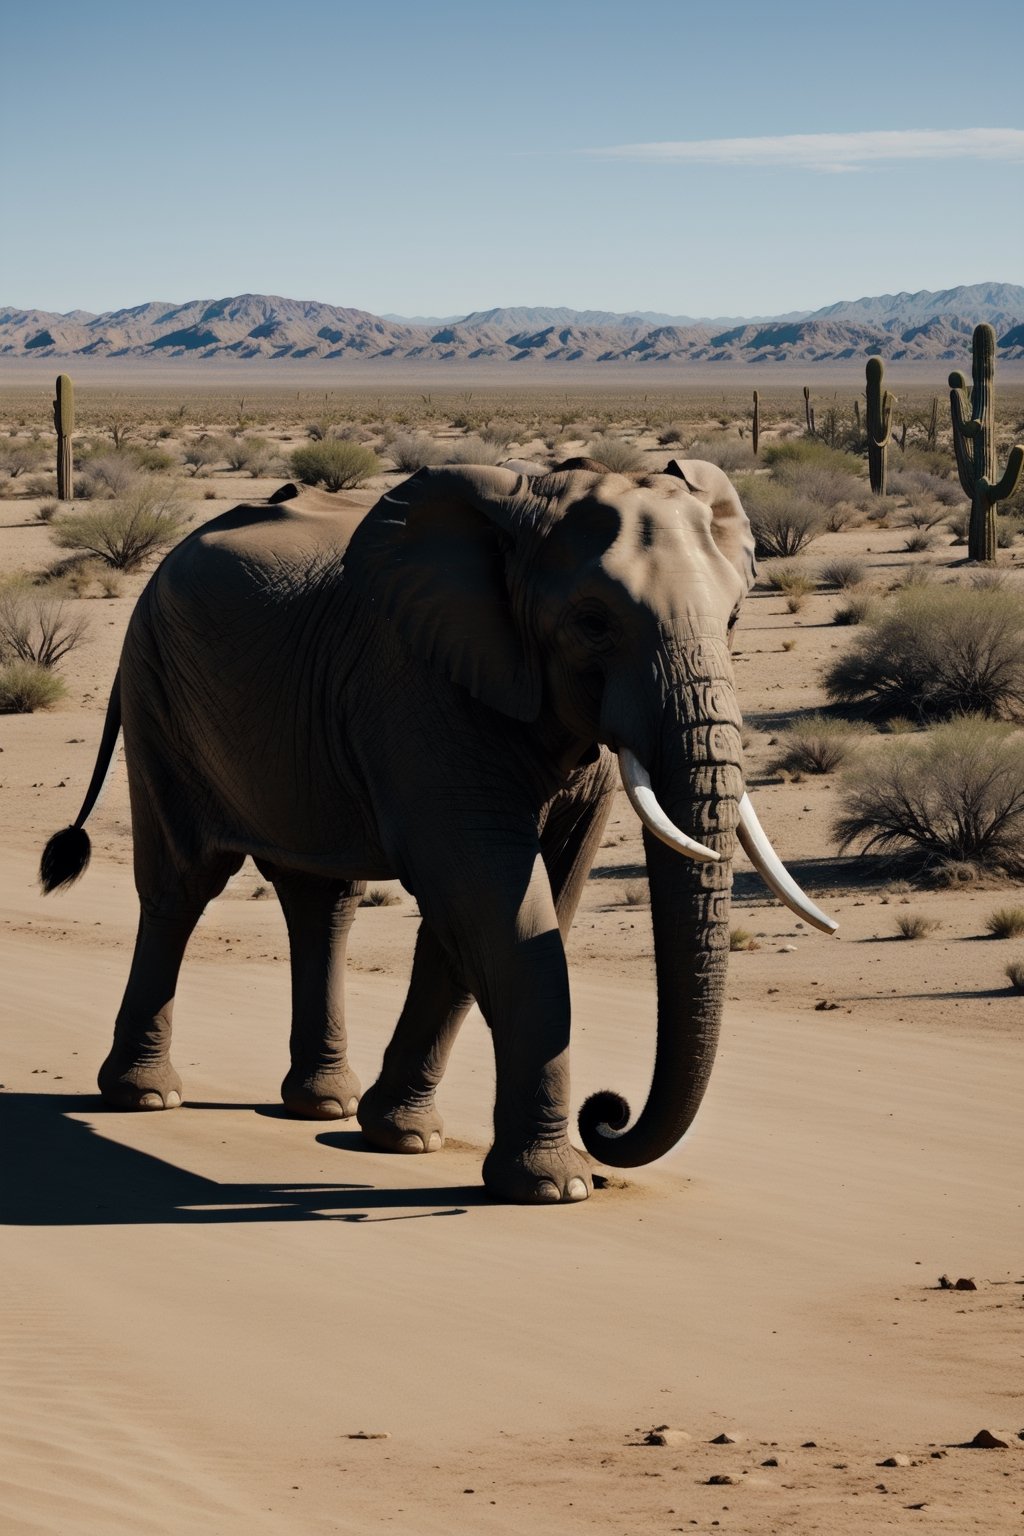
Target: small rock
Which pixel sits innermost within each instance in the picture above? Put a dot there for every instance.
(370, 1434)
(824, 1006)
(898, 1460)
(787, 949)
(662, 1434)
(985, 1440)
(726, 1439)
(771, 1461)
(965, 1284)
(809, 1445)
(721, 1480)
(937, 1455)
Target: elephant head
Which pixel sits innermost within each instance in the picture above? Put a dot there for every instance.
(597, 608)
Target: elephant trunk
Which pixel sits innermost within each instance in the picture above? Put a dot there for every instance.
(698, 781)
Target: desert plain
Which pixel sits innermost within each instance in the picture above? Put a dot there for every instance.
(203, 1328)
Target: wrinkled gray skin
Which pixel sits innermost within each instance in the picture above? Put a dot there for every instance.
(429, 694)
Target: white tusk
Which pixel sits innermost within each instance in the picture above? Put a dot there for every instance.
(637, 784)
(773, 872)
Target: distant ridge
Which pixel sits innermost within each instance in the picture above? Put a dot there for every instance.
(920, 326)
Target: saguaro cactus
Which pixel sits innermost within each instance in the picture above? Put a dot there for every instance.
(64, 421)
(974, 442)
(879, 414)
(755, 429)
(808, 410)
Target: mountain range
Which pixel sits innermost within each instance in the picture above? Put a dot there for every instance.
(920, 326)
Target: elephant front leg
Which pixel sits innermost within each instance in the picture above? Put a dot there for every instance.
(399, 1113)
(500, 928)
(320, 1084)
(138, 1073)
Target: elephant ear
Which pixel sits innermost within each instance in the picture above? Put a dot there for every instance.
(730, 527)
(433, 556)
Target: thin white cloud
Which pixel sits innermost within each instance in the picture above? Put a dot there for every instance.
(832, 151)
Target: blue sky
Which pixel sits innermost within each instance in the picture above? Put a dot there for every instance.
(433, 158)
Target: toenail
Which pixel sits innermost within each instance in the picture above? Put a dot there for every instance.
(434, 1143)
(410, 1142)
(173, 1100)
(577, 1190)
(150, 1101)
(547, 1191)
(351, 1107)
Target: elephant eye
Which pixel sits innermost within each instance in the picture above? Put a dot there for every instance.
(594, 627)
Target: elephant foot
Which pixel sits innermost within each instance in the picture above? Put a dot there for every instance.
(331, 1094)
(545, 1173)
(139, 1085)
(400, 1127)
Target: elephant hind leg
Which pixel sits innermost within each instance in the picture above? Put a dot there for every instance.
(138, 1073)
(320, 1084)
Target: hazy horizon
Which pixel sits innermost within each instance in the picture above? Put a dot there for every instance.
(436, 160)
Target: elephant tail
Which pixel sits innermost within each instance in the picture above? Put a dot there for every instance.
(66, 855)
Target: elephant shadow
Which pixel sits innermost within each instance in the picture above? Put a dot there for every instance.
(60, 1171)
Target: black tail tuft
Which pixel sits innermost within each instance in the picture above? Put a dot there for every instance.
(65, 857)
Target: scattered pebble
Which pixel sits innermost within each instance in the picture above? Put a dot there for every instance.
(772, 1461)
(787, 949)
(370, 1434)
(662, 1434)
(726, 1439)
(963, 1284)
(721, 1479)
(824, 1006)
(985, 1440)
(899, 1460)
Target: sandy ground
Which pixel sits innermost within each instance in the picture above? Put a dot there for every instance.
(199, 1318)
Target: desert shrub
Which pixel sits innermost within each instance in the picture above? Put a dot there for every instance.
(1014, 972)
(251, 453)
(740, 939)
(25, 686)
(809, 450)
(955, 794)
(320, 429)
(473, 450)
(636, 893)
(20, 455)
(922, 487)
(938, 651)
(35, 626)
(671, 436)
(817, 745)
(615, 453)
(1005, 923)
(859, 608)
(502, 432)
(110, 474)
(410, 451)
(40, 485)
(380, 896)
(47, 510)
(725, 449)
(782, 524)
(825, 484)
(200, 454)
(147, 518)
(844, 572)
(1007, 532)
(110, 583)
(914, 925)
(337, 465)
(958, 527)
(154, 461)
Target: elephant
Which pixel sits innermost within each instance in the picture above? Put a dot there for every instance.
(438, 690)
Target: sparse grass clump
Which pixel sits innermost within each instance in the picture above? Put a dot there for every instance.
(380, 896)
(725, 449)
(1014, 973)
(615, 453)
(147, 518)
(1005, 923)
(919, 541)
(335, 464)
(935, 652)
(859, 608)
(636, 893)
(953, 795)
(914, 925)
(817, 745)
(741, 938)
(473, 450)
(25, 686)
(790, 578)
(844, 572)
